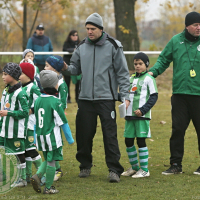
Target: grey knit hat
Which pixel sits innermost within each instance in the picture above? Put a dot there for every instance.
(27, 51)
(13, 70)
(96, 20)
(48, 79)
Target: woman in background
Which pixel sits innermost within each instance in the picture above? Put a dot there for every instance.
(69, 45)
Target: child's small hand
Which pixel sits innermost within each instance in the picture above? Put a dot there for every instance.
(138, 113)
(3, 113)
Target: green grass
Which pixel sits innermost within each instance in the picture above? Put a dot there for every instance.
(9, 58)
(155, 187)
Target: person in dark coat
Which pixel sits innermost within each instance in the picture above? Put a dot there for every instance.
(69, 45)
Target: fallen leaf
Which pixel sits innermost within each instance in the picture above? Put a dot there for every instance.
(162, 122)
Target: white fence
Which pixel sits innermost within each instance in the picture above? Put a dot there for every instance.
(65, 53)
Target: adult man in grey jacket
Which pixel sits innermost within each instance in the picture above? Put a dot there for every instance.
(102, 63)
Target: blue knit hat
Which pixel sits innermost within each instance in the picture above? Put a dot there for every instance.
(56, 62)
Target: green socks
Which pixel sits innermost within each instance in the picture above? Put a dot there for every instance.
(22, 166)
(37, 161)
(57, 165)
(42, 169)
(132, 155)
(143, 155)
(29, 168)
(50, 173)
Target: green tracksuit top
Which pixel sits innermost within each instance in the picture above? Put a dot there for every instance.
(184, 54)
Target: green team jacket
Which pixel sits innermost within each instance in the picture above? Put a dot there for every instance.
(182, 53)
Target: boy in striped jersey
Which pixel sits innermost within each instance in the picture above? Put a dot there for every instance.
(14, 117)
(49, 117)
(56, 63)
(33, 92)
(143, 96)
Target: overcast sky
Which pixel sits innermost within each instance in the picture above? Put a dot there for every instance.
(152, 9)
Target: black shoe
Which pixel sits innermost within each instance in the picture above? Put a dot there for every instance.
(174, 169)
(113, 177)
(84, 173)
(197, 172)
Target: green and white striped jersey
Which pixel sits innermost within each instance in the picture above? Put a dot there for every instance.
(14, 125)
(49, 117)
(140, 90)
(33, 93)
(63, 92)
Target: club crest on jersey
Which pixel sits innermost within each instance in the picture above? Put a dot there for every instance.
(17, 143)
(30, 138)
(141, 83)
(7, 106)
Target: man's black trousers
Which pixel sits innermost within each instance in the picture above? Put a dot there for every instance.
(86, 123)
(184, 109)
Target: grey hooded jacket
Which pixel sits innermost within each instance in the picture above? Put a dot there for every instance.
(103, 67)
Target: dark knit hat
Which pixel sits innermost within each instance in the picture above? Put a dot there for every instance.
(28, 69)
(96, 20)
(48, 79)
(143, 57)
(27, 51)
(13, 70)
(191, 18)
(56, 62)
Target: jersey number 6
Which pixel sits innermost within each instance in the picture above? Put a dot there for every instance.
(40, 118)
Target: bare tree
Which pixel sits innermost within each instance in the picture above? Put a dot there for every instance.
(34, 5)
(126, 28)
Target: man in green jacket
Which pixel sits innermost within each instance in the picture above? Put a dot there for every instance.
(184, 51)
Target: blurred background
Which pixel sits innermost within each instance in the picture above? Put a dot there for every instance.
(138, 24)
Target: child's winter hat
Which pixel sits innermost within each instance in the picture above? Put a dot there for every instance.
(28, 69)
(143, 57)
(56, 62)
(13, 70)
(48, 79)
(27, 51)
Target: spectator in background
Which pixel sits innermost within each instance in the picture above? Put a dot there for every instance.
(69, 45)
(40, 43)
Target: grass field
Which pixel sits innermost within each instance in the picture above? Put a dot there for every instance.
(155, 187)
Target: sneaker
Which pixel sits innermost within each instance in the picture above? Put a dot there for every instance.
(35, 181)
(197, 172)
(58, 175)
(129, 172)
(84, 173)
(174, 169)
(52, 190)
(141, 174)
(19, 183)
(43, 181)
(113, 177)
(28, 178)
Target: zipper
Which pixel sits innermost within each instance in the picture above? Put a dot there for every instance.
(93, 72)
(111, 90)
